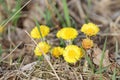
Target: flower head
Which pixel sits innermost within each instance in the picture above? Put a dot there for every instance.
(72, 53)
(57, 51)
(87, 43)
(42, 47)
(44, 30)
(90, 29)
(67, 33)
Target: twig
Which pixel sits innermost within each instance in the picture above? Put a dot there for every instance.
(81, 77)
(117, 20)
(44, 56)
(75, 74)
(109, 34)
(11, 51)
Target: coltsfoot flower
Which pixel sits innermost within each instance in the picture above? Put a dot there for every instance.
(90, 29)
(43, 29)
(41, 48)
(87, 43)
(67, 33)
(72, 53)
(57, 51)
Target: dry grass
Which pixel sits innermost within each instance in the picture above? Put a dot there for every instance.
(18, 61)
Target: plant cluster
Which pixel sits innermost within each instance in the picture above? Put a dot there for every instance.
(71, 53)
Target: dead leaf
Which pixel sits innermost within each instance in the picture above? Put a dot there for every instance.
(97, 53)
(29, 66)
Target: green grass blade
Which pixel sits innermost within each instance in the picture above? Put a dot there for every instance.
(38, 27)
(59, 16)
(102, 57)
(10, 12)
(101, 70)
(114, 75)
(88, 59)
(1, 50)
(17, 16)
(66, 12)
(103, 53)
(62, 43)
(48, 17)
(89, 3)
(41, 12)
(3, 3)
(40, 58)
(89, 62)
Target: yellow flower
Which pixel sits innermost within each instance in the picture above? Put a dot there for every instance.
(43, 29)
(57, 51)
(72, 53)
(67, 33)
(90, 29)
(1, 29)
(42, 47)
(87, 43)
